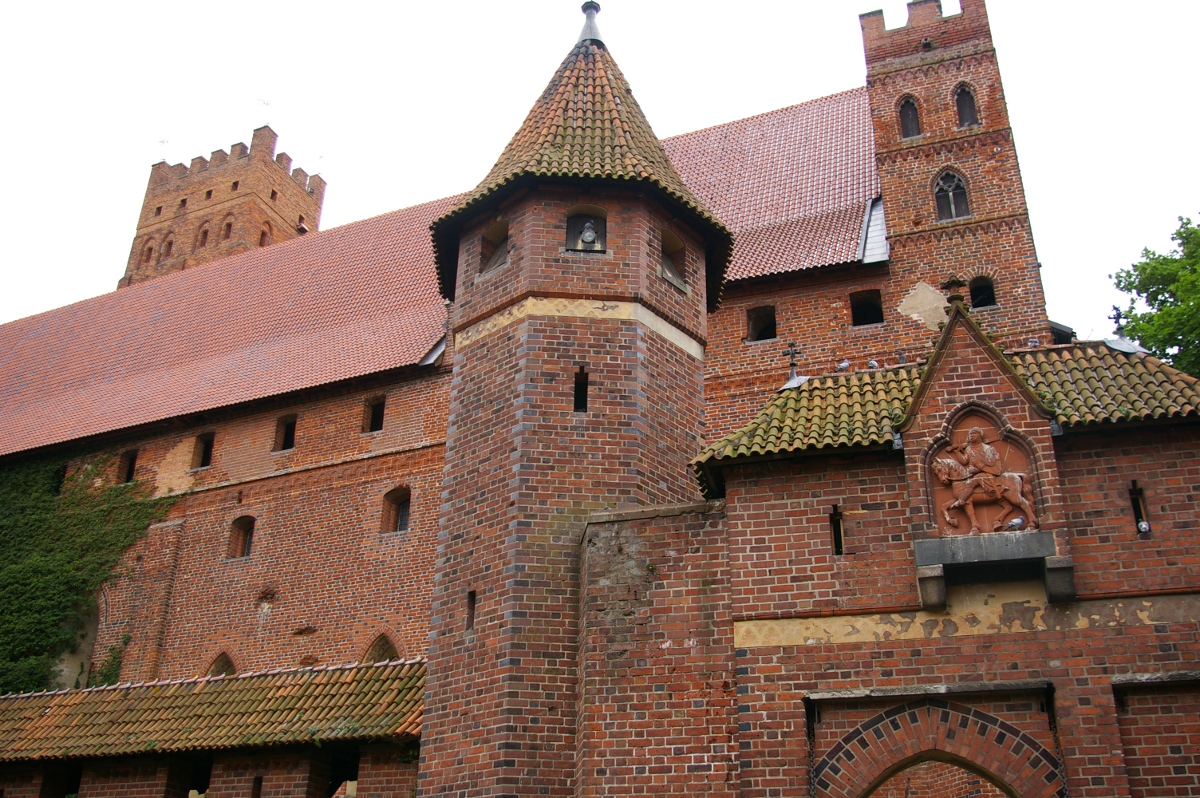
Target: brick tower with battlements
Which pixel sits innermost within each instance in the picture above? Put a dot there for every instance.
(219, 206)
(581, 271)
(948, 172)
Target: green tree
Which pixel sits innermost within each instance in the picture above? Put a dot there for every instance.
(1168, 286)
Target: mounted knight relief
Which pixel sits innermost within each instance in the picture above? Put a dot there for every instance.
(981, 480)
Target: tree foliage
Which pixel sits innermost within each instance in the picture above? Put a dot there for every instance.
(1168, 286)
(60, 538)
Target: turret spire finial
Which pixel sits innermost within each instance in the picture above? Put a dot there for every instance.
(590, 31)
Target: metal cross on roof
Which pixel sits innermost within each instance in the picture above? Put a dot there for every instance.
(791, 351)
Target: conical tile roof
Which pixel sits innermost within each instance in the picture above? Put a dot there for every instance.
(585, 126)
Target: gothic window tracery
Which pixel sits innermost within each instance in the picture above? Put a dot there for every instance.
(951, 197)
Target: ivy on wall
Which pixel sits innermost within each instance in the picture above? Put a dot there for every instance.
(60, 538)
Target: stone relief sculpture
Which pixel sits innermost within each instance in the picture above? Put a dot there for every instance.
(985, 477)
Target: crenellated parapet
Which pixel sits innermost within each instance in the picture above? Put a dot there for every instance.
(218, 206)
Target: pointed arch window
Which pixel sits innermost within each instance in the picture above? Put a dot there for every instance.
(148, 255)
(951, 196)
(202, 240)
(964, 98)
(264, 238)
(382, 650)
(227, 231)
(910, 118)
(222, 666)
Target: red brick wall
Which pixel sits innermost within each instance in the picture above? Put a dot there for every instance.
(935, 779)
(781, 555)
(20, 781)
(133, 779)
(1098, 469)
(249, 207)
(323, 578)
(1159, 728)
(657, 701)
(383, 772)
(284, 775)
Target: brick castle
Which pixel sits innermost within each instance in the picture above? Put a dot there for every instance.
(744, 462)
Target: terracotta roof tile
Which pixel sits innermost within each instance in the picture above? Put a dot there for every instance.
(793, 185)
(1085, 383)
(279, 707)
(324, 307)
(586, 124)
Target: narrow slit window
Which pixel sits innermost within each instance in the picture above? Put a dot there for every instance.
(965, 100)
(866, 307)
(264, 238)
(227, 231)
(910, 118)
(285, 434)
(760, 324)
(1137, 499)
(256, 787)
(951, 196)
(167, 247)
(203, 453)
(836, 535)
(241, 537)
(129, 465)
(397, 510)
(983, 292)
(148, 255)
(203, 238)
(373, 414)
(581, 390)
(470, 610)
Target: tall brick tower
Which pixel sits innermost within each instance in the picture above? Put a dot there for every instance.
(581, 271)
(220, 206)
(948, 167)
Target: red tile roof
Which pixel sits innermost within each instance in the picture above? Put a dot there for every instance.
(585, 125)
(306, 705)
(324, 307)
(793, 185)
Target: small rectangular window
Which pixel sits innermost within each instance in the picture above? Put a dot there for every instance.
(234, 187)
(183, 203)
(208, 194)
(470, 610)
(128, 465)
(581, 391)
(285, 434)
(274, 195)
(760, 324)
(1141, 519)
(203, 452)
(866, 307)
(158, 211)
(373, 415)
(241, 537)
(835, 531)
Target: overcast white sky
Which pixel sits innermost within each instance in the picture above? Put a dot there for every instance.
(395, 103)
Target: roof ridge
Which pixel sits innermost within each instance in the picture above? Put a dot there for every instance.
(220, 678)
(764, 113)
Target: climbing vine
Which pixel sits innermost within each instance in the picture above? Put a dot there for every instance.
(60, 538)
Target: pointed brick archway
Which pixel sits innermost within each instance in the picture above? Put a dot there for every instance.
(934, 728)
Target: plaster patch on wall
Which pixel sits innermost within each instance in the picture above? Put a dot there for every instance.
(925, 304)
(971, 610)
(174, 472)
